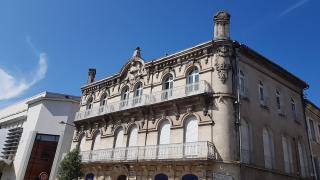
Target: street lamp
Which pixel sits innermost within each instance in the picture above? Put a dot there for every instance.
(62, 122)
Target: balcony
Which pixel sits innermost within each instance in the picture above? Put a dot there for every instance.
(143, 100)
(167, 152)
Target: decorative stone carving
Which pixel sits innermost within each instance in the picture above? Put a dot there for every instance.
(136, 68)
(222, 63)
(79, 133)
(189, 109)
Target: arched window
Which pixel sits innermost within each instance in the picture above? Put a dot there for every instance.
(164, 138)
(262, 95)
(133, 137)
(164, 133)
(303, 159)
(191, 129)
(245, 142)
(190, 136)
(103, 100)
(161, 177)
(242, 84)
(287, 154)
(119, 138)
(137, 94)
(96, 142)
(122, 177)
(193, 76)
(193, 80)
(89, 103)
(167, 86)
(119, 152)
(125, 97)
(82, 144)
(189, 177)
(89, 176)
(268, 149)
(132, 152)
(138, 90)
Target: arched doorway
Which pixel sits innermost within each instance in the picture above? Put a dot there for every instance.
(122, 177)
(161, 177)
(189, 177)
(89, 176)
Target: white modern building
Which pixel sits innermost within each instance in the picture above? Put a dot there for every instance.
(32, 137)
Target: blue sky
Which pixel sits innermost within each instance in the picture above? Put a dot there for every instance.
(49, 45)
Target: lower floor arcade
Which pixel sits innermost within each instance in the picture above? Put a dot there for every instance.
(180, 170)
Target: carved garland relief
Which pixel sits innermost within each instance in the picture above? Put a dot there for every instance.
(222, 62)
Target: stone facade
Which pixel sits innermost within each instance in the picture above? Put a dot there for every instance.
(206, 112)
(313, 122)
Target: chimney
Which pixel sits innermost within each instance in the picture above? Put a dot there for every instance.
(222, 26)
(91, 75)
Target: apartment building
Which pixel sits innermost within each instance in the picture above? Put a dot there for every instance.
(217, 110)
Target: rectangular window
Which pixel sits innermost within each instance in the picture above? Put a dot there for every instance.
(294, 110)
(261, 93)
(287, 154)
(312, 131)
(278, 99)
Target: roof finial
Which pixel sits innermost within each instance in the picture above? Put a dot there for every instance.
(222, 26)
(137, 53)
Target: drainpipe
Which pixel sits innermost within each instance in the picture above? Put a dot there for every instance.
(237, 105)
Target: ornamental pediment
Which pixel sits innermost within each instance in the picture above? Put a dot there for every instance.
(134, 69)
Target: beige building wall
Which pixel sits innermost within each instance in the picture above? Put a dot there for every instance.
(313, 122)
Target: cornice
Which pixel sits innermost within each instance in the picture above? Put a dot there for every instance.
(156, 65)
(277, 69)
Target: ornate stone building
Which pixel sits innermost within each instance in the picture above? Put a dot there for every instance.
(217, 110)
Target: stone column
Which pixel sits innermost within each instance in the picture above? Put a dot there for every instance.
(224, 131)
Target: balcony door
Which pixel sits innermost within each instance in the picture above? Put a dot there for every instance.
(137, 94)
(124, 97)
(191, 136)
(164, 140)
(132, 152)
(119, 149)
(192, 81)
(167, 88)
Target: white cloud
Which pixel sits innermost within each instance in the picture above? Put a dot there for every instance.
(293, 7)
(11, 87)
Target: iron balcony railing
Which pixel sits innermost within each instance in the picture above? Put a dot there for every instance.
(202, 150)
(143, 100)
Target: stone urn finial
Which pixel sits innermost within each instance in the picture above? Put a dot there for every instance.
(222, 26)
(137, 52)
(91, 75)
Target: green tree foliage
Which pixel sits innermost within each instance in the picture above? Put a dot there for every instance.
(70, 166)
